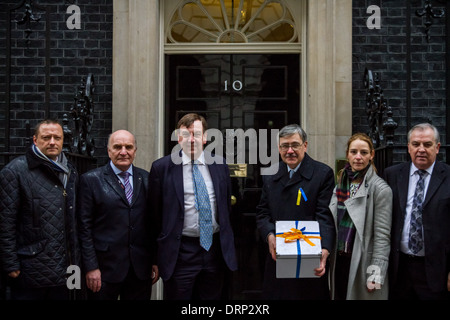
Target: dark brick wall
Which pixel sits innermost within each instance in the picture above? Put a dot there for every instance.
(74, 53)
(412, 70)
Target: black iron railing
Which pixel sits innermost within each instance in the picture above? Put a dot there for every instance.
(382, 128)
(78, 143)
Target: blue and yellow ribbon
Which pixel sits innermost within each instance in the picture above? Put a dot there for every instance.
(299, 196)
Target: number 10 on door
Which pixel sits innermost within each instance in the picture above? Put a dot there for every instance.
(236, 85)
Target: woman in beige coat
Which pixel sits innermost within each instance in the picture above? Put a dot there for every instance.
(362, 210)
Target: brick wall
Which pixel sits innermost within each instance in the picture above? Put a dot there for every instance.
(39, 75)
(412, 70)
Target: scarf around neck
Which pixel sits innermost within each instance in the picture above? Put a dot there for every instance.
(346, 188)
(59, 166)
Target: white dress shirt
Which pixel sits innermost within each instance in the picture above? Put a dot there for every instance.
(191, 225)
(413, 179)
(120, 178)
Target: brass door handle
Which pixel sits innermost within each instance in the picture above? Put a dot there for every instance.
(233, 200)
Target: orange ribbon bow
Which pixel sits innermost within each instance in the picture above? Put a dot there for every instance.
(295, 235)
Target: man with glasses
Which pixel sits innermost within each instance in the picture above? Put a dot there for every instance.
(298, 171)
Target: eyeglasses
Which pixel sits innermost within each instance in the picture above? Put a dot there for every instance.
(295, 146)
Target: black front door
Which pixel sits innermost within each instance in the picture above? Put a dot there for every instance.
(245, 92)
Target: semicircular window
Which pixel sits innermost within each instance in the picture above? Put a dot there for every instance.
(231, 21)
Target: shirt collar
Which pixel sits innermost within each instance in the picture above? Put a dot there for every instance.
(117, 170)
(413, 169)
(187, 160)
(295, 169)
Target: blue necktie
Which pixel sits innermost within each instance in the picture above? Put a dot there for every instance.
(415, 243)
(203, 206)
(127, 185)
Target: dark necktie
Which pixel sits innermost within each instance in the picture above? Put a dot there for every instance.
(415, 243)
(127, 185)
(203, 206)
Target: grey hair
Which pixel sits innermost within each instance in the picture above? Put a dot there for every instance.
(424, 126)
(291, 129)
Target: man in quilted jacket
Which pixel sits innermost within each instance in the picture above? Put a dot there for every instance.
(38, 240)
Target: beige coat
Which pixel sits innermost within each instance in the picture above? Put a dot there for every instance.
(371, 211)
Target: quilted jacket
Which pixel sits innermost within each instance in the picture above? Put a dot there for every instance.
(37, 221)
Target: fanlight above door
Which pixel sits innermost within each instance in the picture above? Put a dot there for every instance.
(232, 21)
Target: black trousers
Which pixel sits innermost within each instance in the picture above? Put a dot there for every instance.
(342, 271)
(412, 282)
(198, 274)
(131, 288)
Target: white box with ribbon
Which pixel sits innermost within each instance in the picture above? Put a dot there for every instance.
(298, 249)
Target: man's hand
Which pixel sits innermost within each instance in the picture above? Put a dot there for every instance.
(14, 274)
(94, 280)
(320, 271)
(448, 282)
(272, 242)
(155, 274)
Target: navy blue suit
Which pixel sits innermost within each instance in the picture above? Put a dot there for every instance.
(435, 219)
(167, 207)
(115, 236)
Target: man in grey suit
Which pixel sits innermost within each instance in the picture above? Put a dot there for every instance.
(420, 240)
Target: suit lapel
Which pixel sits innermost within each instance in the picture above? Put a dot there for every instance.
(112, 179)
(215, 178)
(305, 171)
(176, 171)
(137, 183)
(402, 186)
(435, 181)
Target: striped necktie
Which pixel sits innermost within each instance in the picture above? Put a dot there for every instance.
(203, 205)
(127, 185)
